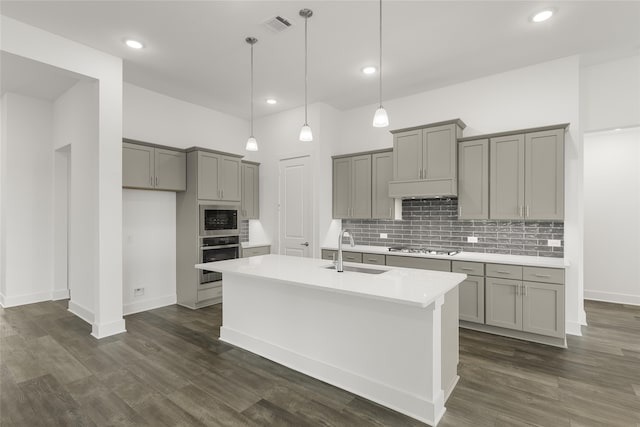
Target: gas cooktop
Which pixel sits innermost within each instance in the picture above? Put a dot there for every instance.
(423, 250)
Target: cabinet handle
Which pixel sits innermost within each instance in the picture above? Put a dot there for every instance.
(524, 289)
(371, 260)
(543, 275)
(517, 289)
(150, 181)
(222, 194)
(527, 211)
(502, 272)
(521, 210)
(390, 213)
(459, 210)
(420, 173)
(156, 181)
(466, 269)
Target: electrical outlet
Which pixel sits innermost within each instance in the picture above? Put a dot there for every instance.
(383, 235)
(472, 239)
(138, 292)
(554, 243)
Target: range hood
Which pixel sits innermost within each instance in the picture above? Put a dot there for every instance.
(423, 189)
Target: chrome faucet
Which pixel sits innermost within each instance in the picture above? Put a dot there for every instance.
(339, 266)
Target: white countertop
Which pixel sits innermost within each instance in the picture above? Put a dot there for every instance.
(402, 285)
(247, 245)
(532, 261)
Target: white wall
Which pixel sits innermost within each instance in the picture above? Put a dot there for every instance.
(610, 94)
(149, 236)
(33, 43)
(27, 198)
(76, 126)
(612, 216)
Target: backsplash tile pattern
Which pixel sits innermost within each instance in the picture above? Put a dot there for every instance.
(244, 230)
(434, 223)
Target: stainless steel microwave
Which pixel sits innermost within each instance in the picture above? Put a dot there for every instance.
(218, 220)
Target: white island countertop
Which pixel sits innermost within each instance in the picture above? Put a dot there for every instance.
(402, 285)
(531, 261)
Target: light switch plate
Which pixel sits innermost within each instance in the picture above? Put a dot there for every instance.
(383, 235)
(472, 239)
(554, 243)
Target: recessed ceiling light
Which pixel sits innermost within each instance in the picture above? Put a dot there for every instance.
(369, 70)
(617, 129)
(542, 16)
(271, 101)
(134, 44)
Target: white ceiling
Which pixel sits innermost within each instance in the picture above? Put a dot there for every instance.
(195, 50)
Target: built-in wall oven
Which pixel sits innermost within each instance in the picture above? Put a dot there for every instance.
(217, 248)
(218, 220)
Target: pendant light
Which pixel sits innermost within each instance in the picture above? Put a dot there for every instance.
(252, 144)
(380, 118)
(305, 132)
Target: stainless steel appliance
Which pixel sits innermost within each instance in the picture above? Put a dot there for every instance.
(218, 220)
(423, 250)
(217, 249)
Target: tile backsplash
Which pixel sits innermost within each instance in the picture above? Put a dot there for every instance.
(244, 230)
(434, 223)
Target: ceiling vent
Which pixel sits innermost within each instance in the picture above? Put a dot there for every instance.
(278, 24)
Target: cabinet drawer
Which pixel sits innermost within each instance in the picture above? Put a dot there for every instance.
(215, 292)
(260, 250)
(374, 259)
(541, 274)
(468, 268)
(351, 256)
(504, 271)
(423, 263)
(329, 254)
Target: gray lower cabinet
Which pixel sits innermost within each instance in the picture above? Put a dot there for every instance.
(527, 176)
(415, 262)
(377, 259)
(503, 303)
(250, 194)
(153, 168)
(256, 251)
(382, 206)
(473, 179)
(347, 256)
(219, 176)
(352, 187)
(471, 299)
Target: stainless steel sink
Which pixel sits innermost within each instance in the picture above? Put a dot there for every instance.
(359, 269)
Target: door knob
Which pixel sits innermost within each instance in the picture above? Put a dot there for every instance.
(304, 244)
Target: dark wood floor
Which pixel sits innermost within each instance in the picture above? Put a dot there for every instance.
(169, 369)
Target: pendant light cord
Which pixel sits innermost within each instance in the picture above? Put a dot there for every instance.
(306, 77)
(252, 89)
(380, 65)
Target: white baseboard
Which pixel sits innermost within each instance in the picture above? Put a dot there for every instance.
(80, 311)
(612, 297)
(2, 304)
(60, 294)
(13, 301)
(103, 330)
(400, 400)
(573, 328)
(149, 304)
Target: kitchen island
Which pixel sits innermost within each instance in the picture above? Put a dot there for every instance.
(390, 337)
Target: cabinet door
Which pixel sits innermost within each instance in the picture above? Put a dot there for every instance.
(473, 179)
(229, 178)
(439, 152)
(543, 309)
(342, 187)
(249, 206)
(171, 170)
(471, 298)
(361, 186)
(137, 166)
(544, 175)
(503, 303)
(208, 172)
(407, 155)
(381, 174)
(506, 177)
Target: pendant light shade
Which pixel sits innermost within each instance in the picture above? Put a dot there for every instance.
(380, 118)
(252, 143)
(305, 133)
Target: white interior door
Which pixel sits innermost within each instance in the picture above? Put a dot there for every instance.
(296, 195)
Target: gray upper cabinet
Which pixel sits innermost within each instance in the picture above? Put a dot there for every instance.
(219, 177)
(527, 176)
(382, 206)
(148, 167)
(352, 187)
(473, 179)
(544, 175)
(250, 203)
(507, 177)
(425, 160)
